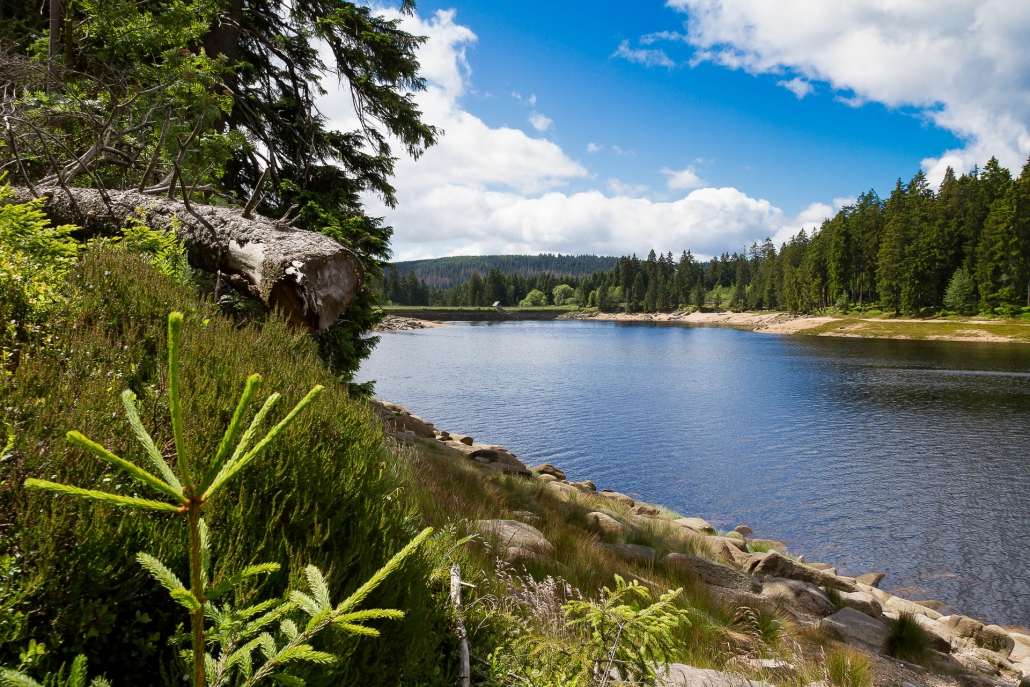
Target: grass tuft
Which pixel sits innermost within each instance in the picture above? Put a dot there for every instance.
(847, 668)
(907, 639)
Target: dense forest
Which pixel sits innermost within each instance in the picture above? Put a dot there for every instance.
(964, 247)
(446, 272)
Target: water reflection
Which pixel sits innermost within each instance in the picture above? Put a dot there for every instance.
(907, 457)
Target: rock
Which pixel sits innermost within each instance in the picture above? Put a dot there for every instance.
(940, 638)
(516, 540)
(857, 629)
(643, 509)
(1021, 648)
(779, 667)
(726, 550)
(962, 626)
(970, 661)
(771, 544)
(494, 455)
(871, 579)
(547, 478)
(965, 680)
(584, 486)
(743, 530)
(679, 675)
(807, 597)
(606, 525)
(399, 419)
(864, 602)
(822, 566)
(772, 564)
(735, 535)
(616, 497)
(1025, 682)
(504, 467)
(633, 552)
(904, 606)
(996, 639)
(565, 490)
(738, 544)
(712, 573)
(696, 524)
(932, 604)
(548, 469)
(462, 439)
(879, 594)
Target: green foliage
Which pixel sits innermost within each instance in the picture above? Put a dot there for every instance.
(960, 294)
(623, 633)
(534, 299)
(846, 668)
(322, 494)
(34, 259)
(834, 595)
(563, 294)
(161, 248)
(907, 639)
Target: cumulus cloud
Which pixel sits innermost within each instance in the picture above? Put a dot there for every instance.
(498, 190)
(540, 122)
(964, 63)
(593, 147)
(646, 56)
(684, 179)
(797, 86)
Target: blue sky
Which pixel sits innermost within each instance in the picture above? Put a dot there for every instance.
(617, 127)
(750, 133)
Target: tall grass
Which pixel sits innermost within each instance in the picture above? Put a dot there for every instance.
(907, 639)
(847, 668)
(326, 493)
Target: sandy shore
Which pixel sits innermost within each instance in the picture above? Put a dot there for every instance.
(766, 322)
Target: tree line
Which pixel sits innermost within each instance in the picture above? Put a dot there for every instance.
(964, 247)
(453, 270)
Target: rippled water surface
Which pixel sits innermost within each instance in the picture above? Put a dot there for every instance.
(905, 457)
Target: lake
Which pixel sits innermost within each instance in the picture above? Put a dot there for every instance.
(904, 457)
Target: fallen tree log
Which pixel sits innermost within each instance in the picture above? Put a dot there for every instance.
(310, 276)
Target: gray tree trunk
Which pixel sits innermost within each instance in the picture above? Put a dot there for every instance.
(310, 276)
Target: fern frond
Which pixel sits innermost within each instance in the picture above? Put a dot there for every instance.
(129, 401)
(241, 448)
(136, 472)
(359, 629)
(186, 599)
(77, 675)
(174, 403)
(160, 572)
(100, 496)
(364, 590)
(305, 603)
(13, 678)
(99, 681)
(304, 652)
(250, 571)
(319, 588)
(267, 644)
(252, 386)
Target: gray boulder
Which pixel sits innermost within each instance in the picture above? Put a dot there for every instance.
(644, 509)
(962, 626)
(743, 530)
(996, 639)
(773, 564)
(864, 602)
(857, 629)
(637, 553)
(584, 486)
(940, 638)
(900, 605)
(712, 573)
(548, 469)
(399, 419)
(871, 579)
(807, 597)
(679, 675)
(696, 524)
(616, 497)
(606, 525)
(516, 540)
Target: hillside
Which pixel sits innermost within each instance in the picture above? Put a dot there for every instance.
(446, 272)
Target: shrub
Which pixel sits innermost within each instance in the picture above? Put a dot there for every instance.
(959, 294)
(324, 494)
(563, 294)
(907, 639)
(534, 299)
(846, 668)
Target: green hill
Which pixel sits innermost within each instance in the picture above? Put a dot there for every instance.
(446, 272)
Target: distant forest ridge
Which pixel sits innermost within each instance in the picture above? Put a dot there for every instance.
(446, 272)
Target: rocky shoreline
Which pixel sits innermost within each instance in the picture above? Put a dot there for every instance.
(745, 569)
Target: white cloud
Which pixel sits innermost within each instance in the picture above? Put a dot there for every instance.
(593, 147)
(797, 86)
(964, 63)
(498, 190)
(684, 179)
(540, 122)
(647, 57)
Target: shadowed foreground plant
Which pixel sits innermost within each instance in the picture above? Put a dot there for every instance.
(237, 631)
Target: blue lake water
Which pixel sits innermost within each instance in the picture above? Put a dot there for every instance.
(905, 457)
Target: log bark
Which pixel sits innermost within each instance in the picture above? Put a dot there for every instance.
(464, 672)
(310, 276)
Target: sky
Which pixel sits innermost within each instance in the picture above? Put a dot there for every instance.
(616, 127)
